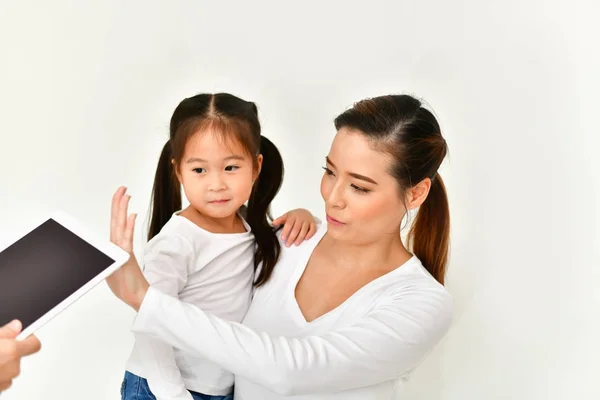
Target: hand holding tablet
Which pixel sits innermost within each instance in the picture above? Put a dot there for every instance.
(49, 268)
(12, 351)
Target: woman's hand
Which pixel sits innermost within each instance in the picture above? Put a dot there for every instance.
(127, 283)
(298, 225)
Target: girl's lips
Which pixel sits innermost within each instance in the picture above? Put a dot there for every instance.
(218, 201)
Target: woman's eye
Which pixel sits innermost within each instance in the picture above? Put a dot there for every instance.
(358, 189)
(328, 171)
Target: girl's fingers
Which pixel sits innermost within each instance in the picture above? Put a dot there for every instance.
(311, 231)
(280, 220)
(302, 234)
(289, 224)
(293, 234)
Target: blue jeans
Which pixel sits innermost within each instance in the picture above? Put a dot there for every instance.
(136, 388)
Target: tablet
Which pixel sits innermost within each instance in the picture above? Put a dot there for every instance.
(46, 270)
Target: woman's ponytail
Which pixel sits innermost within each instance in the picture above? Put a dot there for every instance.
(429, 236)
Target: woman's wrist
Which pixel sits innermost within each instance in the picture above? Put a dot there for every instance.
(140, 296)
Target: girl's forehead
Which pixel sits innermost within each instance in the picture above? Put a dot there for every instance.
(214, 143)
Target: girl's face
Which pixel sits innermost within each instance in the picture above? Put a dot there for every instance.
(217, 175)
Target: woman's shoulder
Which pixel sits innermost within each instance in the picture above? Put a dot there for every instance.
(293, 257)
(412, 285)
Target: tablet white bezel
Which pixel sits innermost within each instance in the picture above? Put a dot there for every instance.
(105, 246)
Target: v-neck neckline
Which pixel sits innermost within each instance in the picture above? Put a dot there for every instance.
(301, 266)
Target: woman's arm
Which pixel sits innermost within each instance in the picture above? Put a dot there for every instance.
(386, 344)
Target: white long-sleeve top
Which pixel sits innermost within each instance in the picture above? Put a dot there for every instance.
(212, 271)
(360, 350)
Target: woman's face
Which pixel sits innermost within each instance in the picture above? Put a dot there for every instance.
(362, 199)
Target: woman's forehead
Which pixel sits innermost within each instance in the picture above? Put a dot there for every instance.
(353, 149)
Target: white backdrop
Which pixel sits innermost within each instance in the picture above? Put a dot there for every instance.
(87, 89)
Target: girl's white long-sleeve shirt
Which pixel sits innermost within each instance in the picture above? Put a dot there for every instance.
(212, 271)
(360, 350)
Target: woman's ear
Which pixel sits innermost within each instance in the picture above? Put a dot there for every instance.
(418, 194)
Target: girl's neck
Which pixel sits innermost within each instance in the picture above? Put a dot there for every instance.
(229, 224)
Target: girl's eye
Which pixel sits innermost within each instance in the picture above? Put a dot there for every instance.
(199, 170)
(231, 168)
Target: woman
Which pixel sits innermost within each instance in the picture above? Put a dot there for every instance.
(350, 313)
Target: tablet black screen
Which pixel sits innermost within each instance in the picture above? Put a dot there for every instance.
(42, 269)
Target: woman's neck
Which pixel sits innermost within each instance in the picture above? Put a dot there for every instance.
(386, 252)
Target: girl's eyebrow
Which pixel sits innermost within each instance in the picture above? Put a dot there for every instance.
(196, 159)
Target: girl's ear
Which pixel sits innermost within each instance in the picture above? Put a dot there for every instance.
(259, 161)
(177, 173)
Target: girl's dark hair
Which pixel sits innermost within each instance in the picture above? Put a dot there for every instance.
(235, 119)
(400, 126)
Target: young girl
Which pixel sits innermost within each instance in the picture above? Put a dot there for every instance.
(207, 253)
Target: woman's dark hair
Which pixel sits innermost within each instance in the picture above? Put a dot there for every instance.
(400, 126)
(235, 119)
